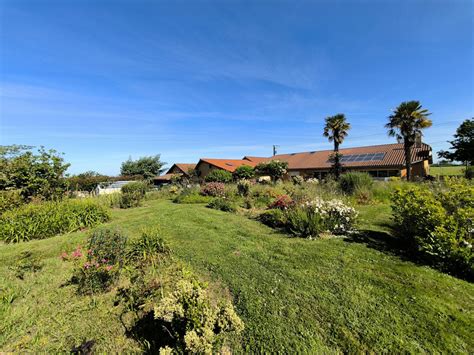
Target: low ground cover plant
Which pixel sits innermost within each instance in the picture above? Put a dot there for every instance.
(191, 195)
(222, 204)
(25, 264)
(438, 223)
(46, 219)
(98, 267)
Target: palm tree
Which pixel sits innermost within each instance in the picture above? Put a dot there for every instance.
(336, 130)
(407, 122)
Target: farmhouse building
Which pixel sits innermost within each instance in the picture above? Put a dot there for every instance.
(380, 161)
(205, 165)
(176, 170)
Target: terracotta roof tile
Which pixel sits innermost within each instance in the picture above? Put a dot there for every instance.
(228, 164)
(184, 167)
(393, 156)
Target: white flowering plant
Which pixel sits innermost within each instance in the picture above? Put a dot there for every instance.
(310, 219)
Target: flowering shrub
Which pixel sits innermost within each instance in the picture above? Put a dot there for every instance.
(282, 202)
(213, 189)
(438, 223)
(192, 320)
(338, 217)
(97, 268)
(311, 218)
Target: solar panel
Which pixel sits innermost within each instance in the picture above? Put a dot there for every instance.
(362, 157)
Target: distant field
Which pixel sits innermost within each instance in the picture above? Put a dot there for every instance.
(446, 170)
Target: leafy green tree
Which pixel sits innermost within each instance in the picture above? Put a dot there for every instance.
(336, 129)
(462, 147)
(38, 173)
(148, 167)
(274, 168)
(87, 181)
(218, 175)
(244, 172)
(406, 123)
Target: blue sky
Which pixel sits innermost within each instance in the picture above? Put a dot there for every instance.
(105, 80)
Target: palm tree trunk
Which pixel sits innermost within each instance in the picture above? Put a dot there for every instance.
(407, 147)
(337, 167)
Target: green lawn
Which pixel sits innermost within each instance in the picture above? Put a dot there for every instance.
(348, 295)
(447, 170)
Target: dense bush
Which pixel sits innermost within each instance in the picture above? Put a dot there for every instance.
(469, 173)
(37, 174)
(38, 221)
(218, 175)
(438, 223)
(213, 189)
(274, 168)
(133, 193)
(244, 172)
(10, 199)
(98, 268)
(191, 195)
(222, 204)
(87, 181)
(273, 218)
(352, 182)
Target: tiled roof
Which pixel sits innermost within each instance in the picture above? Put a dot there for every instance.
(165, 177)
(227, 164)
(184, 167)
(393, 156)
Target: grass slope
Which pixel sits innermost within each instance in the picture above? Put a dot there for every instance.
(293, 294)
(447, 170)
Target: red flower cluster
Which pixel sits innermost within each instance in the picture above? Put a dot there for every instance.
(282, 202)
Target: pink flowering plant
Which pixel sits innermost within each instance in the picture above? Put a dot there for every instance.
(214, 189)
(97, 268)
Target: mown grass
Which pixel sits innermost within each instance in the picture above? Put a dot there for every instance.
(447, 170)
(350, 295)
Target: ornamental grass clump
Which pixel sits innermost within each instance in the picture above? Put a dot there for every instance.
(44, 220)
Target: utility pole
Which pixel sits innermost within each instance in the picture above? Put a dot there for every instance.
(275, 149)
